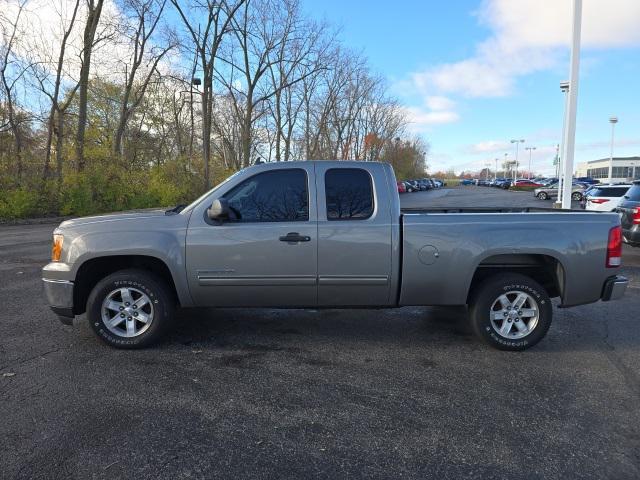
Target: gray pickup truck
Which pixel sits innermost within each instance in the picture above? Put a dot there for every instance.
(329, 234)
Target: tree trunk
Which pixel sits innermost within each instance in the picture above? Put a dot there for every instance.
(95, 9)
(59, 146)
(46, 172)
(207, 108)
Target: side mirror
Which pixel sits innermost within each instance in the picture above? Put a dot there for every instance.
(219, 210)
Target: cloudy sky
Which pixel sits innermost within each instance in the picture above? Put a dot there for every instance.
(476, 74)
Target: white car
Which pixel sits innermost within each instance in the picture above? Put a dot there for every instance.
(604, 198)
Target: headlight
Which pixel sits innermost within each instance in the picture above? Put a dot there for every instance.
(56, 248)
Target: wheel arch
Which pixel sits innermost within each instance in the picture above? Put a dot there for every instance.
(545, 269)
(93, 270)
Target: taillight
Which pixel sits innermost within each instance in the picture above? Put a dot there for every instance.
(614, 247)
(636, 216)
(598, 200)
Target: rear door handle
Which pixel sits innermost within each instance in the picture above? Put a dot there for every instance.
(294, 237)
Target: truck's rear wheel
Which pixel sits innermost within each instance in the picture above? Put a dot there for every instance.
(130, 309)
(510, 311)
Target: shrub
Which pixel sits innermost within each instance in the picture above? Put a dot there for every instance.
(19, 203)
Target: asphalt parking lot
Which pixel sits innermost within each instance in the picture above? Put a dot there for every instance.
(405, 393)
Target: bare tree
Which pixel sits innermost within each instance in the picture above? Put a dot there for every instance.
(145, 15)
(9, 32)
(298, 56)
(43, 70)
(264, 32)
(207, 37)
(94, 11)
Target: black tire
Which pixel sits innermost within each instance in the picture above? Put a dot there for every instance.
(489, 292)
(576, 196)
(543, 196)
(161, 299)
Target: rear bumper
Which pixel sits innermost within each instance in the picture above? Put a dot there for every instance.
(614, 288)
(59, 295)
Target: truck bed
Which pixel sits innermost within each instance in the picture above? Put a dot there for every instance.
(443, 247)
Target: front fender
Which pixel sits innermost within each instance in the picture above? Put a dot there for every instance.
(166, 246)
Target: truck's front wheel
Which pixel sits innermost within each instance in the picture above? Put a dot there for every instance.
(130, 309)
(510, 311)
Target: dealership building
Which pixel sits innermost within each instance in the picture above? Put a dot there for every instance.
(625, 169)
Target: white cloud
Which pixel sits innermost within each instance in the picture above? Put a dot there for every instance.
(437, 110)
(440, 103)
(419, 118)
(488, 146)
(528, 36)
(535, 23)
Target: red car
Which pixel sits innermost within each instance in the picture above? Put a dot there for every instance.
(401, 187)
(528, 184)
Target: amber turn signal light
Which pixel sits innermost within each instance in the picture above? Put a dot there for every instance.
(56, 248)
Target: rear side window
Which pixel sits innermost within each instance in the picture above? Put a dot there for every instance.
(607, 192)
(633, 193)
(349, 194)
(276, 196)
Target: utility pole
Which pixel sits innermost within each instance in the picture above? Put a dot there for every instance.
(531, 149)
(564, 88)
(495, 174)
(517, 142)
(506, 166)
(572, 105)
(613, 121)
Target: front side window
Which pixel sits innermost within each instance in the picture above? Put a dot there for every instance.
(349, 194)
(276, 196)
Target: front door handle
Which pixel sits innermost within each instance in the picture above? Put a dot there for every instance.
(294, 237)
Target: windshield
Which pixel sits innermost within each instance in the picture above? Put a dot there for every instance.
(197, 201)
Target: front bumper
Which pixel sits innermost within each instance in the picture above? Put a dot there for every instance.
(59, 294)
(614, 288)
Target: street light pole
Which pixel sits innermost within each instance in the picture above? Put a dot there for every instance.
(517, 142)
(613, 121)
(572, 104)
(564, 88)
(531, 149)
(495, 174)
(506, 165)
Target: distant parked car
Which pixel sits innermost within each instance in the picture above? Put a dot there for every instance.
(524, 184)
(497, 182)
(410, 186)
(416, 186)
(467, 181)
(401, 187)
(604, 198)
(587, 180)
(551, 191)
(629, 210)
